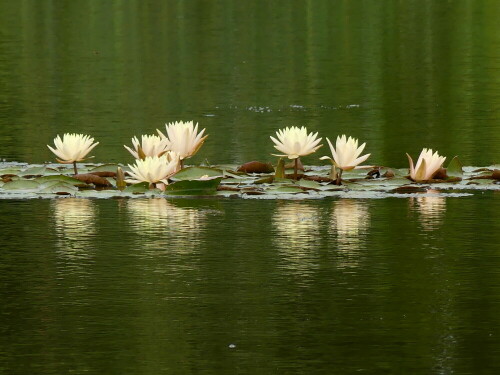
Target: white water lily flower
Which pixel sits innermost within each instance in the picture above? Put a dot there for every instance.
(153, 169)
(183, 138)
(295, 142)
(428, 164)
(151, 145)
(346, 153)
(72, 147)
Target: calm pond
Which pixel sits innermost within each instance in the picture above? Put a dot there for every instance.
(234, 286)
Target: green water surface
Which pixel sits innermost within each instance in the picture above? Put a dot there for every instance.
(232, 286)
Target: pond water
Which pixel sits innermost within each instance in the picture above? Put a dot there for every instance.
(225, 286)
(150, 286)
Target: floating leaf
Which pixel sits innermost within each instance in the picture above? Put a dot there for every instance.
(106, 168)
(309, 184)
(227, 188)
(233, 181)
(193, 187)
(141, 187)
(59, 178)
(33, 171)
(455, 168)
(120, 179)
(409, 189)
(317, 178)
(194, 173)
(285, 189)
(21, 185)
(10, 171)
(280, 169)
(89, 178)
(256, 167)
(57, 188)
(265, 180)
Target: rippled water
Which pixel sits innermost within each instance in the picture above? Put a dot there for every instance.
(188, 286)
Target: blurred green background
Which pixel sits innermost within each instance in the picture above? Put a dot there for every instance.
(400, 75)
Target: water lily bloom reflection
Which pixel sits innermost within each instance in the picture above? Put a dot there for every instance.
(154, 169)
(428, 164)
(296, 229)
(350, 222)
(183, 138)
(72, 148)
(75, 226)
(165, 229)
(431, 208)
(346, 154)
(150, 145)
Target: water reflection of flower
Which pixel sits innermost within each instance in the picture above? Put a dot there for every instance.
(296, 235)
(164, 227)
(74, 223)
(350, 221)
(431, 209)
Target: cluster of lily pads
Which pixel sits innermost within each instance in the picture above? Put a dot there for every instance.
(159, 168)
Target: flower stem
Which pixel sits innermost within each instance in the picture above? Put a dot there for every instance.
(181, 162)
(295, 168)
(74, 167)
(339, 177)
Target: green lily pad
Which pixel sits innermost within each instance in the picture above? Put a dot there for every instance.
(13, 171)
(21, 185)
(58, 188)
(141, 187)
(33, 171)
(106, 168)
(194, 173)
(193, 187)
(285, 189)
(309, 184)
(59, 178)
(454, 168)
(265, 180)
